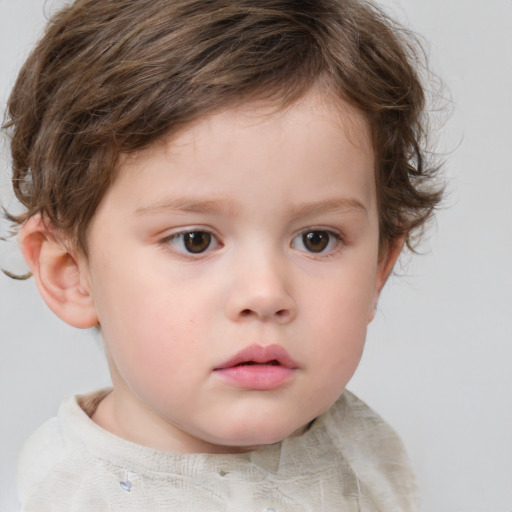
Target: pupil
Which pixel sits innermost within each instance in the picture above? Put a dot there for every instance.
(316, 241)
(197, 241)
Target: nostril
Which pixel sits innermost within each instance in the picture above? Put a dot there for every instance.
(284, 314)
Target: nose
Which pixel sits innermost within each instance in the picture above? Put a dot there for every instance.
(260, 290)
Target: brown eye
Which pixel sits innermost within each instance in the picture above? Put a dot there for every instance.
(192, 242)
(197, 241)
(316, 241)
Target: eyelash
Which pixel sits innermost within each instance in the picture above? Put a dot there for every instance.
(206, 239)
(332, 238)
(200, 234)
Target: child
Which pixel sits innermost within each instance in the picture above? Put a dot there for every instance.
(222, 189)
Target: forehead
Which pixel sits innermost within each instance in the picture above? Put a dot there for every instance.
(315, 105)
(267, 147)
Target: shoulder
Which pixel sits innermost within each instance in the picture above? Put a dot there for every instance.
(374, 451)
(40, 454)
(55, 465)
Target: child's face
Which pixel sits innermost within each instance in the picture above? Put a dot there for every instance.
(251, 237)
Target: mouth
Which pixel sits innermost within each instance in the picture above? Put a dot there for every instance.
(274, 362)
(258, 368)
(258, 355)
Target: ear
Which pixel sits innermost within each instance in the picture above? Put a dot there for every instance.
(384, 268)
(60, 276)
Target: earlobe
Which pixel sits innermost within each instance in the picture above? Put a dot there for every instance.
(384, 269)
(58, 274)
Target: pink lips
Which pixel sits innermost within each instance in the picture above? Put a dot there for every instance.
(258, 367)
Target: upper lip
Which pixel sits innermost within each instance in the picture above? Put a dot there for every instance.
(260, 354)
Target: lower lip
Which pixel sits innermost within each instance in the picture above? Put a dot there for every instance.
(259, 377)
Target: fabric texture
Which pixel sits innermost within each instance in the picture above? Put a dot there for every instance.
(349, 460)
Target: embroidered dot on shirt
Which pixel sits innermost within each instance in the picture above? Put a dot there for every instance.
(126, 486)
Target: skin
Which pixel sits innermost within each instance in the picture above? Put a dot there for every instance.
(254, 180)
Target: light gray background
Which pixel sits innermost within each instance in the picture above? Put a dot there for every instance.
(439, 354)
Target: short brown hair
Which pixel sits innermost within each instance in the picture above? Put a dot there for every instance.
(114, 76)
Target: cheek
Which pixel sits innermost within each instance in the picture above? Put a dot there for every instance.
(148, 327)
(343, 301)
(154, 353)
(340, 340)
(338, 320)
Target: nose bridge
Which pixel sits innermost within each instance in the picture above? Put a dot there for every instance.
(261, 286)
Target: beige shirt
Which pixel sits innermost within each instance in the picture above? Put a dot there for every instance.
(349, 460)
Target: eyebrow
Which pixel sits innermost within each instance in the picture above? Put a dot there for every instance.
(334, 205)
(190, 205)
(229, 207)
